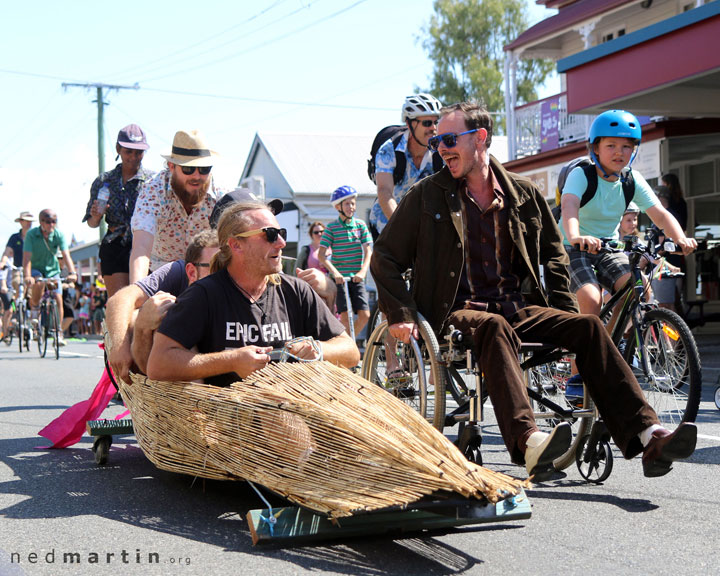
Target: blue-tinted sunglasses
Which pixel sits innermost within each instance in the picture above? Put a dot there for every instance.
(449, 139)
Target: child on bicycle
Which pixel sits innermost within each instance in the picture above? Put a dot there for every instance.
(613, 143)
(351, 244)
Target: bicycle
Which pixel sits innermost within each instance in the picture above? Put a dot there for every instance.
(21, 316)
(48, 318)
(660, 347)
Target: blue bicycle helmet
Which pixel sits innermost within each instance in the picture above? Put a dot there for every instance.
(615, 124)
(342, 193)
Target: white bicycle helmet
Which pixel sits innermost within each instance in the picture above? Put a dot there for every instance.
(420, 105)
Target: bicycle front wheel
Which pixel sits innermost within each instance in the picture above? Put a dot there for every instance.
(548, 381)
(672, 382)
(20, 313)
(55, 328)
(42, 331)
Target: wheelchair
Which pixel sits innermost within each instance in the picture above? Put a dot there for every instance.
(439, 377)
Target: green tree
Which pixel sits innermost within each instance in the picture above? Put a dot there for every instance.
(465, 40)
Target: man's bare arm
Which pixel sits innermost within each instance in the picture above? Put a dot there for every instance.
(171, 361)
(341, 350)
(385, 188)
(140, 255)
(119, 319)
(148, 320)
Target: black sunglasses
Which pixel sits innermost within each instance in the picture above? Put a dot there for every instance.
(318, 232)
(271, 234)
(188, 170)
(428, 123)
(201, 264)
(49, 220)
(449, 139)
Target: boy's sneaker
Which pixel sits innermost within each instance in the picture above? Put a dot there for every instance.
(574, 391)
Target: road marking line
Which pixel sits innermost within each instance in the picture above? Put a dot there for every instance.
(706, 437)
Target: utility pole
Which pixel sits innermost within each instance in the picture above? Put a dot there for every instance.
(100, 123)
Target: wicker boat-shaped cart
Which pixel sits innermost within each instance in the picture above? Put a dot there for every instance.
(325, 439)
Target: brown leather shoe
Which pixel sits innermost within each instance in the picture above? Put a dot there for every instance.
(665, 447)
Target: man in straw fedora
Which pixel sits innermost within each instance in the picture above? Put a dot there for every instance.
(174, 206)
(223, 327)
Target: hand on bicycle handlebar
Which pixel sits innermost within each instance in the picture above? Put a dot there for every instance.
(586, 243)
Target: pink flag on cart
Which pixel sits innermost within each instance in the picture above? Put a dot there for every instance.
(68, 428)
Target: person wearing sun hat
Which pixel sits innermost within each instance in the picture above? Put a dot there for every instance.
(125, 182)
(174, 206)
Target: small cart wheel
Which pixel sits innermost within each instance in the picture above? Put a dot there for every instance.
(472, 450)
(101, 448)
(469, 443)
(594, 462)
(717, 397)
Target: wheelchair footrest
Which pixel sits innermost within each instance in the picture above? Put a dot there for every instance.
(107, 427)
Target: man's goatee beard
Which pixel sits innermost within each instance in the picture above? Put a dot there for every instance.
(189, 198)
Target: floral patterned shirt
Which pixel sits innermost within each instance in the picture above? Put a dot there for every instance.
(121, 203)
(159, 211)
(385, 161)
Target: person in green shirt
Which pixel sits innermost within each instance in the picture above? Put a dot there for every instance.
(40, 259)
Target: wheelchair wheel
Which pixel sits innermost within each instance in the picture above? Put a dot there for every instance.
(717, 397)
(594, 459)
(411, 372)
(548, 382)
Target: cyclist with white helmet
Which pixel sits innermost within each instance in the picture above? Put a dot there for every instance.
(351, 244)
(613, 143)
(420, 113)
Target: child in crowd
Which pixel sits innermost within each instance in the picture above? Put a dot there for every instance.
(351, 244)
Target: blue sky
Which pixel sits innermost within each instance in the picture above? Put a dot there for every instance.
(229, 69)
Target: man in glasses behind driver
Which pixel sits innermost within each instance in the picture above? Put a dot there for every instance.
(223, 327)
(174, 206)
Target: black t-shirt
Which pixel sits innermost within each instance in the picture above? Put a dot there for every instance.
(214, 315)
(170, 278)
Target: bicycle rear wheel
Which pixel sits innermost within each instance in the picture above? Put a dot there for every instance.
(20, 314)
(42, 331)
(548, 381)
(673, 383)
(55, 328)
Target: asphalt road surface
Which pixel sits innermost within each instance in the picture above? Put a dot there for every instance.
(131, 518)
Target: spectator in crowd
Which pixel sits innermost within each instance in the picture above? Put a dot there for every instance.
(124, 183)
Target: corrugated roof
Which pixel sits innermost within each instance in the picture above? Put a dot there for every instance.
(566, 18)
(318, 163)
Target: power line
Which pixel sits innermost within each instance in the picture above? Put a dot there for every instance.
(264, 100)
(261, 45)
(135, 69)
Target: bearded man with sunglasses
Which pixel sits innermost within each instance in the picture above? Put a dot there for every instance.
(476, 236)
(174, 206)
(223, 327)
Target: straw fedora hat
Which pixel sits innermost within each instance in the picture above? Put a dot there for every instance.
(189, 149)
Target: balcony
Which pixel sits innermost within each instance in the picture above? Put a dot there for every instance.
(545, 125)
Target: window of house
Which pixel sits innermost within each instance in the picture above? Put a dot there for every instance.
(612, 35)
